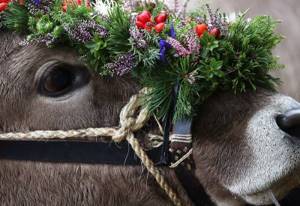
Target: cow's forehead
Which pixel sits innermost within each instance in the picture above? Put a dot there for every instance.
(8, 44)
(17, 58)
(20, 63)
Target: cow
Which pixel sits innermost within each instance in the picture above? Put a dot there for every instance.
(246, 146)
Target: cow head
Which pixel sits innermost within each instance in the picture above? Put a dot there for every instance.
(246, 146)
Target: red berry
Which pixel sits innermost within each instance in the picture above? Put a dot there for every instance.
(161, 18)
(215, 32)
(5, 1)
(200, 29)
(3, 6)
(21, 2)
(65, 7)
(144, 17)
(140, 25)
(88, 3)
(149, 26)
(159, 27)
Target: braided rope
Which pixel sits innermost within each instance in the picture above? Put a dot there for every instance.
(129, 124)
(153, 170)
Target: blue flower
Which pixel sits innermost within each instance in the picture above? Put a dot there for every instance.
(37, 2)
(172, 31)
(162, 51)
(164, 45)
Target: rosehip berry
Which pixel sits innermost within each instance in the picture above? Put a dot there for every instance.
(140, 25)
(159, 27)
(200, 29)
(149, 26)
(3, 6)
(215, 32)
(144, 17)
(161, 18)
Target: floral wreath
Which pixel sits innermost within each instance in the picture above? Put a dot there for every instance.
(196, 53)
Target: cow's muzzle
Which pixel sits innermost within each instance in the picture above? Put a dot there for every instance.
(289, 122)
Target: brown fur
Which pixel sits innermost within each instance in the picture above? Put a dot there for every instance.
(218, 130)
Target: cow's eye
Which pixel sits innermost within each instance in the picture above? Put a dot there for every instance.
(62, 78)
(58, 80)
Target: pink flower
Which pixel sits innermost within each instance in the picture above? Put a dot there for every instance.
(181, 51)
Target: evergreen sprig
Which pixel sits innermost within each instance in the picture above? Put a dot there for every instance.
(249, 56)
(118, 24)
(16, 18)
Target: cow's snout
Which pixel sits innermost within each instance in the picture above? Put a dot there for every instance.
(289, 122)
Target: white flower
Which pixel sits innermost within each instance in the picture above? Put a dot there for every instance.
(103, 7)
(231, 17)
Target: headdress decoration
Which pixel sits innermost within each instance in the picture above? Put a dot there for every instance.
(203, 52)
(181, 58)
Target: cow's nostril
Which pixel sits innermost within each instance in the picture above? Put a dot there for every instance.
(290, 122)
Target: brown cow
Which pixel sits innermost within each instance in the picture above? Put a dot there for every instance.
(241, 153)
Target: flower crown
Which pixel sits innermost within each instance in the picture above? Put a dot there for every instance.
(197, 53)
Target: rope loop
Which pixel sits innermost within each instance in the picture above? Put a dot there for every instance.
(129, 124)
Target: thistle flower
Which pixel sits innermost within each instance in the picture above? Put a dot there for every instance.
(39, 6)
(83, 31)
(181, 51)
(123, 64)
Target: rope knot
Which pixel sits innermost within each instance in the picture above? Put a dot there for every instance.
(129, 123)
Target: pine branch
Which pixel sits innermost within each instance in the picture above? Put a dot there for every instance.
(16, 18)
(119, 24)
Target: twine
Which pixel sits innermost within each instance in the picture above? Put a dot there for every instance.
(128, 125)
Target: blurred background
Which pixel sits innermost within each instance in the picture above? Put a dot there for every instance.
(287, 11)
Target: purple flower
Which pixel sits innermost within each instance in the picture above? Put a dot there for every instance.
(192, 43)
(164, 45)
(48, 39)
(217, 20)
(181, 51)
(163, 49)
(37, 2)
(123, 64)
(138, 38)
(39, 6)
(172, 31)
(84, 31)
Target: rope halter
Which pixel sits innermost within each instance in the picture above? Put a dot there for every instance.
(128, 125)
